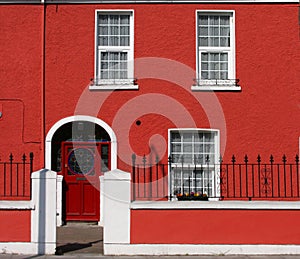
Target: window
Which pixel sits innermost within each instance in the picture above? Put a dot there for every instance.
(216, 50)
(195, 155)
(114, 50)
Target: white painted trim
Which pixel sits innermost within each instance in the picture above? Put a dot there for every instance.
(59, 181)
(95, 120)
(180, 249)
(16, 205)
(231, 50)
(216, 88)
(113, 87)
(43, 218)
(233, 205)
(28, 248)
(217, 149)
(130, 50)
(117, 185)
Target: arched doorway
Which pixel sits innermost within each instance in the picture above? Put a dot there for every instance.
(81, 148)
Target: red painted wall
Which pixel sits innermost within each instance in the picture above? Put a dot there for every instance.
(215, 227)
(20, 80)
(15, 225)
(262, 118)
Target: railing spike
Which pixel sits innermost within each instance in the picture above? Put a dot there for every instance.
(170, 159)
(258, 158)
(297, 159)
(233, 159)
(24, 158)
(284, 159)
(144, 159)
(271, 159)
(221, 159)
(133, 158)
(246, 159)
(156, 159)
(11, 157)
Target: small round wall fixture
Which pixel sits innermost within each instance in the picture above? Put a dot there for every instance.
(138, 122)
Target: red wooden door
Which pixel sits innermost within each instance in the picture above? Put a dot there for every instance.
(83, 163)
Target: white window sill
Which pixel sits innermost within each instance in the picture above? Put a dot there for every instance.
(113, 87)
(244, 205)
(215, 88)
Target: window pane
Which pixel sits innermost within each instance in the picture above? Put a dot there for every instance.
(204, 56)
(187, 137)
(203, 41)
(224, 20)
(103, 19)
(124, 41)
(203, 20)
(124, 19)
(114, 19)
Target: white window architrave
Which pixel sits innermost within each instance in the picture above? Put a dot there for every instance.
(109, 82)
(214, 171)
(219, 83)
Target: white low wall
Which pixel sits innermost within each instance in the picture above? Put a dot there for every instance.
(117, 208)
(43, 216)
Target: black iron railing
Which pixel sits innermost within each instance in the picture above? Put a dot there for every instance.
(15, 182)
(219, 181)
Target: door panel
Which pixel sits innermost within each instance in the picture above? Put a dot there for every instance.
(89, 199)
(82, 165)
(72, 198)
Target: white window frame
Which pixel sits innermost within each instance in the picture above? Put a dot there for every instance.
(215, 173)
(217, 84)
(114, 84)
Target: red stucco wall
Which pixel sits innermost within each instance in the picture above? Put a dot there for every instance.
(215, 227)
(20, 80)
(15, 225)
(262, 118)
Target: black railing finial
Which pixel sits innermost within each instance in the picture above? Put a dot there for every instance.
(297, 159)
(233, 159)
(258, 158)
(271, 159)
(133, 158)
(156, 159)
(144, 159)
(246, 159)
(220, 159)
(284, 159)
(11, 157)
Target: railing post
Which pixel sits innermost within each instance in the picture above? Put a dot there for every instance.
(170, 177)
(258, 165)
(11, 158)
(133, 157)
(297, 172)
(233, 174)
(272, 176)
(284, 173)
(31, 170)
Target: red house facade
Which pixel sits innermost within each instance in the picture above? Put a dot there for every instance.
(86, 84)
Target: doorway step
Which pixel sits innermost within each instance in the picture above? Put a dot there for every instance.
(79, 238)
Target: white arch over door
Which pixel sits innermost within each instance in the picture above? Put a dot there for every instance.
(97, 121)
